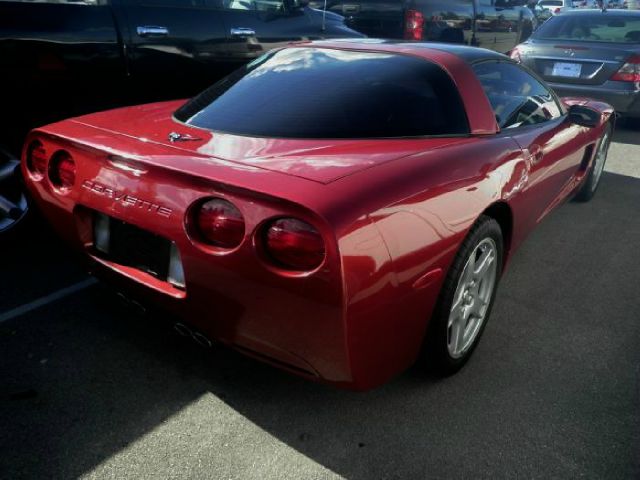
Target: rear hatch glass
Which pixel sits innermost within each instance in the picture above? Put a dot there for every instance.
(327, 93)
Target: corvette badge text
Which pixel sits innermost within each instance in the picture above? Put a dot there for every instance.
(125, 199)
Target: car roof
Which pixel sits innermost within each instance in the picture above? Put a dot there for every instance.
(595, 11)
(420, 49)
(455, 59)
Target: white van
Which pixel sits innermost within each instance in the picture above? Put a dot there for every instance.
(555, 6)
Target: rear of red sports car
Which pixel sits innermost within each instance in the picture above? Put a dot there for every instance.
(218, 243)
(259, 254)
(311, 228)
(256, 239)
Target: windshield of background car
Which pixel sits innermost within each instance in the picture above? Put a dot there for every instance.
(325, 93)
(599, 27)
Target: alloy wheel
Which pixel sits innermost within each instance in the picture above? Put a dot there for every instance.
(472, 297)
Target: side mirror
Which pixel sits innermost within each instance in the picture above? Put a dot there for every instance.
(584, 116)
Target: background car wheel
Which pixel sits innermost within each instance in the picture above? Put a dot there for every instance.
(466, 299)
(14, 203)
(590, 185)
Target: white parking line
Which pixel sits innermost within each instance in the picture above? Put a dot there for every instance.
(52, 297)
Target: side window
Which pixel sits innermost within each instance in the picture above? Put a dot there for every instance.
(517, 98)
(269, 6)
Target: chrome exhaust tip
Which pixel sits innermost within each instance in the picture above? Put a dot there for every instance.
(201, 340)
(131, 303)
(182, 329)
(185, 331)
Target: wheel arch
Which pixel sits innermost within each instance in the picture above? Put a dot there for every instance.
(501, 212)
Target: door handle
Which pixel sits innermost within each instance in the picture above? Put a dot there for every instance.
(152, 31)
(243, 32)
(535, 154)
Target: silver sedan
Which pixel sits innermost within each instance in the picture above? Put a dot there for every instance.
(589, 53)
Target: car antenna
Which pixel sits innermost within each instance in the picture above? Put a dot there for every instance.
(324, 15)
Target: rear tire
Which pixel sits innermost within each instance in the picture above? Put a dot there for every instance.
(466, 299)
(590, 185)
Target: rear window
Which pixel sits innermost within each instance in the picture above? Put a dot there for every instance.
(324, 93)
(599, 27)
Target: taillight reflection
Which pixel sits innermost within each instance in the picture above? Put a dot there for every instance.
(62, 170)
(413, 25)
(219, 223)
(36, 159)
(293, 244)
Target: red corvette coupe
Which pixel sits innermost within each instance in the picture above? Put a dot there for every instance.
(337, 209)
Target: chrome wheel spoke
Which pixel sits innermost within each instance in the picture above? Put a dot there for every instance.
(7, 171)
(484, 263)
(457, 309)
(467, 273)
(456, 331)
(13, 202)
(9, 209)
(478, 308)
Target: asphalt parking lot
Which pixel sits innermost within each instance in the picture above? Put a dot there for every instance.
(90, 389)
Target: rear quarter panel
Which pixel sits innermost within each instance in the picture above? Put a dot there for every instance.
(410, 217)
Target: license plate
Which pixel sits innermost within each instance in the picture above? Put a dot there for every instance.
(129, 245)
(561, 69)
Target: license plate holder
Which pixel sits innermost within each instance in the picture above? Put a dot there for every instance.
(134, 247)
(565, 69)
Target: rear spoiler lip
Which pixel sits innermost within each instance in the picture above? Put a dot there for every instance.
(280, 189)
(289, 189)
(190, 153)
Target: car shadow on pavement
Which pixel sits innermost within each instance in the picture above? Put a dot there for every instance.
(552, 390)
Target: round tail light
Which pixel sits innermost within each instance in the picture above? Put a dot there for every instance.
(37, 159)
(62, 170)
(294, 244)
(220, 223)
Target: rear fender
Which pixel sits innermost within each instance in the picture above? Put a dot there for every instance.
(396, 260)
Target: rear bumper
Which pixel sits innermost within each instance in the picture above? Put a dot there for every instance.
(276, 320)
(625, 102)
